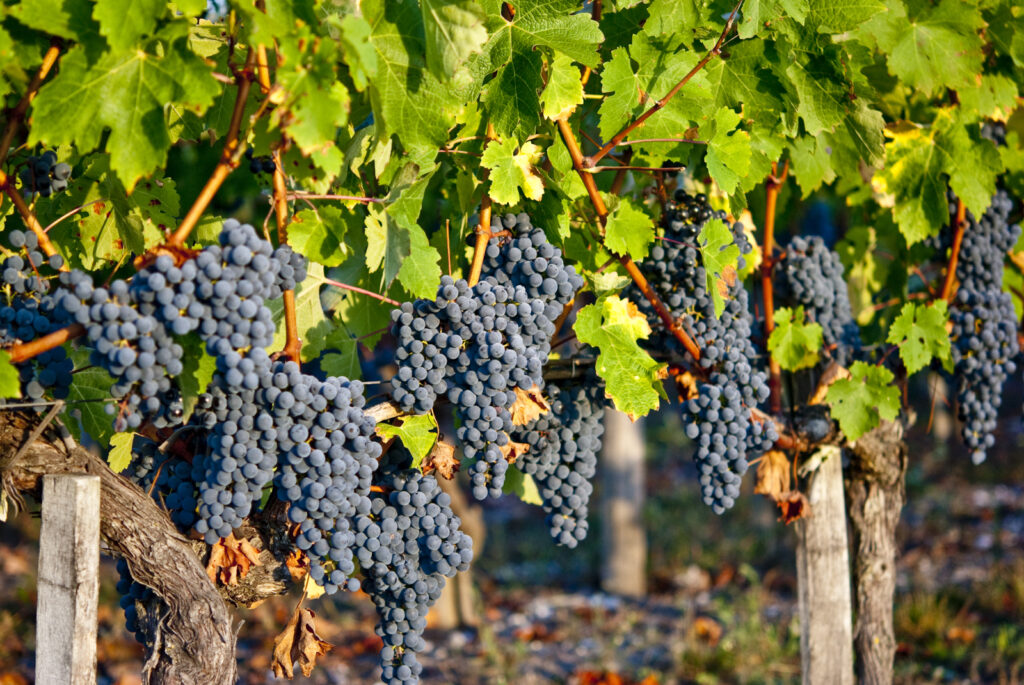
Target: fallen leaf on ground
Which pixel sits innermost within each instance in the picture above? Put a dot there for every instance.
(298, 644)
(707, 630)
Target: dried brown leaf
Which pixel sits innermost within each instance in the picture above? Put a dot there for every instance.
(231, 559)
(513, 450)
(297, 564)
(298, 644)
(773, 475)
(793, 506)
(529, 405)
(686, 384)
(442, 459)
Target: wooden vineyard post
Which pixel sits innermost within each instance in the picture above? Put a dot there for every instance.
(823, 579)
(68, 591)
(624, 569)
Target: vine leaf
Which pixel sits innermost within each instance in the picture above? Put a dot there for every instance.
(442, 459)
(728, 153)
(720, 255)
(793, 506)
(529, 406)
(344, 362)
(10, 382)
(123, 23)
(512, 170)
(299, 644)
(773, 475)
(920, 331)
(320, 235)
(89, 393)
(418, 432)
(454, 29)
(862, 401)
(312, 325)
(632, 377)
(197, 371)
(125, 92)
(231, 559)
(938, 47)
(120, 454)
(564, 89)
(629, 230)
(522, 486)
(794, 342)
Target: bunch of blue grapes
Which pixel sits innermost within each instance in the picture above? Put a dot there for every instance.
(44, 175)
(407, 544)
(27, 312)
(984, 334)
(563, 445)
(135, 348)
(476, 345)
(728, 360)
(811, 276)
(132, 592)
(260, 164)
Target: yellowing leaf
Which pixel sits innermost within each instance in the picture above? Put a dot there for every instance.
(512, 170)
(120, 454)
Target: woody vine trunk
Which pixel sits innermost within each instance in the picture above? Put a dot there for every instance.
(875, 496)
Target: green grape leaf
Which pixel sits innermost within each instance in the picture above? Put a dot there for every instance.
(417, 432)
(312, 325)
(387, 244)
(630, 230)
(359, 52)
(861, 402)
(835, 16)
(632, 377)
(408, 101)
(512, 170)
(70, 19)
(124, 22)
(125, 93)
(511, 96)
(666, 16)
(344, 362)
(973, 163)
(420, 272)
(10, 380)
(564, 89)
(794, 343)
(720, 256)
(120, 454)
(197, 371)
(552, 24)
(920, 332)
(88, 396)
(811, 164)
(522, 486)
(936, 48)
(728, 152)
(454, 29)
(823, 93)
(319, 234)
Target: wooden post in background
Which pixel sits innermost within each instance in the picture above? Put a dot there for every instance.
(624, 569)
(823, 581)
(68, 589)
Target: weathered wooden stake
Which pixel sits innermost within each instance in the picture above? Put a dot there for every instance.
(823, 579)
(624, 570)
(68, 590)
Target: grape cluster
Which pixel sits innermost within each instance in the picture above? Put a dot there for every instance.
(44, 175)
(726, 440)
(811, 276)
(260, 163)
(476, 345)
(563, 445)
(984, 334)
(131, 592)
(407, 543)
(995, 131)
(28, 311)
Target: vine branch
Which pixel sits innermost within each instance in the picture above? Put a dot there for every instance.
(772, 188)
(292, 344)
(229, 157)
(954, 253)
(483, 229)
(657, 106)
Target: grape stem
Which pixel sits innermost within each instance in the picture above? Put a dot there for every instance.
(24, 351)
(772, 187)
(948, 291)
(292, 344)
(229, 156)
(639, 121)
(327, 196)
(634, 272)
(483, 229)
(362, 291)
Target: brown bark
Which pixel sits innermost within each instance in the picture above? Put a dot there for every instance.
(875, 490)
(193, 636)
